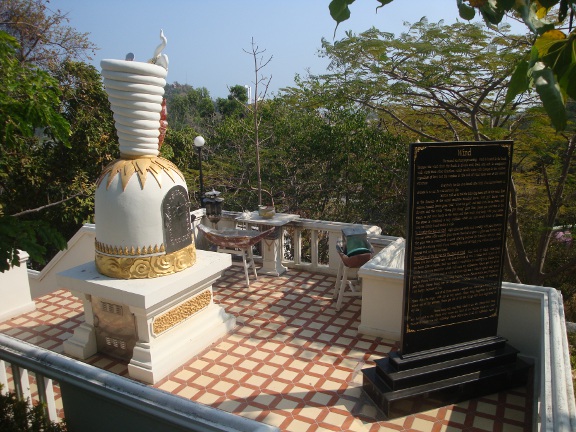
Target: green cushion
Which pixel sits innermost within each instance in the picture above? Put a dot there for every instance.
(358, 251)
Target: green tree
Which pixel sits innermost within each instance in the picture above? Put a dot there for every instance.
(439, 83)
(51, 102)
(29, 101)
(188, 107)
(549, 67)
(51, 182)
(433, 80)
(235, 102)
(241, 132)
(322, 162)
(335, 163)
(73, 171)
(232, 161)
(543, 199)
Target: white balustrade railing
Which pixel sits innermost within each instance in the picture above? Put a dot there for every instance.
(23, 388)
(314, 244)
(307, 244)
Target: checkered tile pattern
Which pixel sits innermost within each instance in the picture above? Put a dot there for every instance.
(292, 361)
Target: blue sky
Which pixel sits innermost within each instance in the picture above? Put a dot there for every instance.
(207, 38)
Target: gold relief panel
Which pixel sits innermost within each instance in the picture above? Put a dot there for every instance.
(181, 312)
(146, 267)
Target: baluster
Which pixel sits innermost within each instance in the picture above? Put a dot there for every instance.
(333, 257)
(46, 396)
(314, 248)
(3, 377)
(297, 245)
(284, 233)
(21, 383)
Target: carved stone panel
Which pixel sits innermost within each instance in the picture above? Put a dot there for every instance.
(176, 219)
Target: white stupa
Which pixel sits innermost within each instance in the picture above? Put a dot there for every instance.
(142, 209)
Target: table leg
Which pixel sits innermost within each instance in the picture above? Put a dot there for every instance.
(272, 254)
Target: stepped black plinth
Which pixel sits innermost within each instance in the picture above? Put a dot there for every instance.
(456, 232)
(403, 385)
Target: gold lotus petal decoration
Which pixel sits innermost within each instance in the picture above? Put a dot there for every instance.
(127, 174)
(169, 167)
(155, 168)
(156, 177)
(141, 166)
(113, 170)
(168, 170)
(142, 169)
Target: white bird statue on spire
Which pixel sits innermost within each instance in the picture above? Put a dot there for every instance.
(159, 58)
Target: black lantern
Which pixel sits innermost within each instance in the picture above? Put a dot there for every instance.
(213, 204)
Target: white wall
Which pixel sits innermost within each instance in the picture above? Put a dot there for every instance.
(80, 250)
(15, 291)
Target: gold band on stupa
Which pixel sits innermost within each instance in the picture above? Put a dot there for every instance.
(142, 267)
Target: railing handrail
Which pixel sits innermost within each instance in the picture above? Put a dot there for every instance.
(171, 409)
(334, 232)
(309, 223)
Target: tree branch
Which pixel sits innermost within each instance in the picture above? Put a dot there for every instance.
(37, 209)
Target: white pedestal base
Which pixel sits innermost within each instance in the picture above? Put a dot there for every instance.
(383, 293)
(82, 344)
(272, 257)
(168, 319)
(153, 361)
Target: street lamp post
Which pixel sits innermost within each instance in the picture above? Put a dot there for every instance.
(199, 143)
(249, 94)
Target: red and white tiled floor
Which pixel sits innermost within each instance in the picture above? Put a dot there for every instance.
(292, 361)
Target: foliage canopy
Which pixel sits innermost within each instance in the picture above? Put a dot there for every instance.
(29, 99)
(550, 65)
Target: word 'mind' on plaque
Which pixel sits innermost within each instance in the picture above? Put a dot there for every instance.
(457, 214)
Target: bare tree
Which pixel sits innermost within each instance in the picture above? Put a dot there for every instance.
(45, 37)
(261, 84)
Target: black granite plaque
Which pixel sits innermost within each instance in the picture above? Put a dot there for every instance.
(176, 219)
(455, 244)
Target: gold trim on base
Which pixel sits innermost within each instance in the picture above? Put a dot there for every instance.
(146, 267)
(182, 312)
(129, 251)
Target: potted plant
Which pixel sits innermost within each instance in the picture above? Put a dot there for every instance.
(267, 211)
